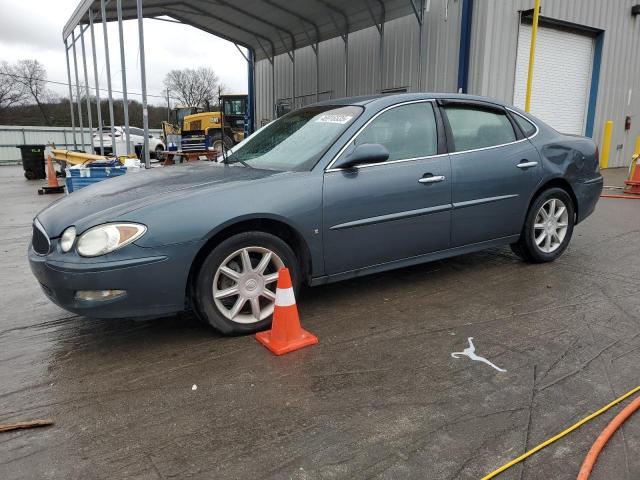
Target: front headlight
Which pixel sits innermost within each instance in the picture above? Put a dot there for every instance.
(108, 237)
(67, 239)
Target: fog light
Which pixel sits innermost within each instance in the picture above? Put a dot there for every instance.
(98, 295)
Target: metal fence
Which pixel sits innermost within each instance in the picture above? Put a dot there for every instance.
(12, 137)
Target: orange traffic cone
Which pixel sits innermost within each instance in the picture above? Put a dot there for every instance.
(286, 334)
(633, 183)
(52, 180)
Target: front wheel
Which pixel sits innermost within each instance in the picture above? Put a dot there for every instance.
(158, 153)
(218, 142)
(548, 227)
(235, 289)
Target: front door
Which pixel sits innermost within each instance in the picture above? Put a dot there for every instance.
(398, 209)
(494, 172)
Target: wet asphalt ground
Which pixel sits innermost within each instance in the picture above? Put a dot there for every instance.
(379, 397)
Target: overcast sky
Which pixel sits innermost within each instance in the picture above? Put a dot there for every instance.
(33, 29)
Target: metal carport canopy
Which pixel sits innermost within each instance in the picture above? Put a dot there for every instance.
(267, 27)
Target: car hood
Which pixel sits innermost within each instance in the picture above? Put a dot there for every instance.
(109, 199)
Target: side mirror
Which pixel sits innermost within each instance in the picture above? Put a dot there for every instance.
(150, 136)
(363, 154)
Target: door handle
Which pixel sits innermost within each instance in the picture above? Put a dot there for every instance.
(524, 164)
(429, 178)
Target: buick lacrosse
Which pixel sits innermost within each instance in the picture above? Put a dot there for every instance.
(334, 190)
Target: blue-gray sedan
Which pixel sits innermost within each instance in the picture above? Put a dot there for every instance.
(332, 191)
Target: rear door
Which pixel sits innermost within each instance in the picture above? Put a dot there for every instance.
(379, 213)
(494, 170)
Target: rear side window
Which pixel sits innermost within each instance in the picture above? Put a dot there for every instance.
(408, 131)
(525, 125)
(474, 128)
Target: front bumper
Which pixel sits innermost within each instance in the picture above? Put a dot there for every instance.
(155, 280)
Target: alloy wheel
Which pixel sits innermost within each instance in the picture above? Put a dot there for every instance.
(244, 285)
(550, 225)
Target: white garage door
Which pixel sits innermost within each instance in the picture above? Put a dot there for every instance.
(561, 77)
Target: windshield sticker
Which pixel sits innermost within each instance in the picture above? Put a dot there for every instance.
(334, 118)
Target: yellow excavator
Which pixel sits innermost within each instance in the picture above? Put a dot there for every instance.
(197, 129)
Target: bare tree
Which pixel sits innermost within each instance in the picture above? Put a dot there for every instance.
(193, 87)
(32, 75)
(11, 92)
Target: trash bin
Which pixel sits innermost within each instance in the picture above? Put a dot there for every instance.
(33, 161)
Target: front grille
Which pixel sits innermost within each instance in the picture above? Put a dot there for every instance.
(40, 240)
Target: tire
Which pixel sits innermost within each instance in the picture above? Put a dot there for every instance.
(217, 141)
(29, 174)
(157, 153)
(219, 312)
(544, 240)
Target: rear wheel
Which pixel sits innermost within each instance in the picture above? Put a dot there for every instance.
(548, 227)
(235, 288)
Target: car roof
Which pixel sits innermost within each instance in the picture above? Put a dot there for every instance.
(385, 99)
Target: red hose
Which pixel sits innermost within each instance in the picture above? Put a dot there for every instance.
(604, 437)
(626, 197)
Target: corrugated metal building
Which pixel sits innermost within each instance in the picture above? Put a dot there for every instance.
(587, 62)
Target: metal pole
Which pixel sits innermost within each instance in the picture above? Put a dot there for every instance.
(125, 101)
(532, 54)
(381, 55)
(346, 64)
(78, 102)
(95, 76)
(108, 63)
(273, 86)
(143, 78)
(420, 39)
(86, 86)
(73, 120)
(293, 80)
(317, 70)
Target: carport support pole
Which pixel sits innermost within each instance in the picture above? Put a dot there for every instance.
(315, 50)
(419, 14)
(346, 64)
(381, 54)
(108, 64)
(73, 119)
(123, 65)
(78, 101)
(86, 88)
(143, 78)
(293, 79)
(273, 86)
(95, 76)
(532, 54)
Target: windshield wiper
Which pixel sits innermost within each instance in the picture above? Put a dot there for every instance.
(236, 160)
(244, 164)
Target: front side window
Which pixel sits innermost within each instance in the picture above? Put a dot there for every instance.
(474, 128)
(297, 140)
(407, 131)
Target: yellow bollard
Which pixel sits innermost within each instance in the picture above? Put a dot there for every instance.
(634, 159)
(606, 144)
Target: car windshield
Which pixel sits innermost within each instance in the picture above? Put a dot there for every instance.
(297, 140)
